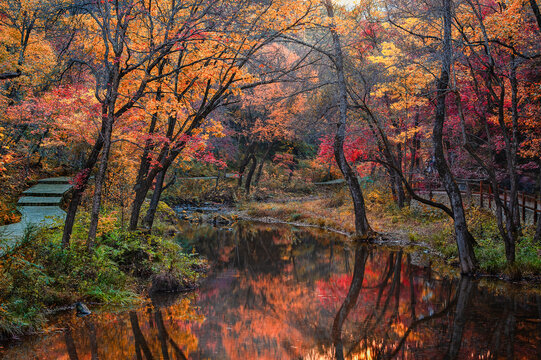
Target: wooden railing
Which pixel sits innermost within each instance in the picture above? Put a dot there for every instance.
(527, 202)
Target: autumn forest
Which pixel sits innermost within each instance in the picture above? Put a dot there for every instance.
(222, 169)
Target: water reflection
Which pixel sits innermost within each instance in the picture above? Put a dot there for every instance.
(282, 293)
(361, 255)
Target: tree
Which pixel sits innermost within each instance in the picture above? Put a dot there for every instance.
(464, 239)
(228, 59)
(490, 103)
(125, 44)
(362, 228)
(267, 113)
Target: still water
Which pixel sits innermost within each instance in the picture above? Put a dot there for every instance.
(276, 292)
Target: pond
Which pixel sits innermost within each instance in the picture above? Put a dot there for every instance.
(276, 292)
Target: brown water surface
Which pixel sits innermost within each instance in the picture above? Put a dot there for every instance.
(281, 293)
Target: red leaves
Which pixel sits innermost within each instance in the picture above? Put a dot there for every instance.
(79, 181)
(286, 161)
(355, 149)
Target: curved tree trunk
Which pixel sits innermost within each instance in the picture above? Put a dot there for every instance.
(468, 263)
(464, 294)
(147, 175)
(537, 13)
(503, 224)
(139, 337)
(244, 163)
(362, 228)
(397, 189)
(361, 256)
(81, 180)
(260, 168)
(537, 237)
(140, 195)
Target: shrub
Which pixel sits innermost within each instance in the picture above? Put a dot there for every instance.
(41, 274)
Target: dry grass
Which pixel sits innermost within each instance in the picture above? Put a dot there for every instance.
(314, 212)
(335, 210)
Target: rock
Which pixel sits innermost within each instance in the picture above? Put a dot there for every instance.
(220, 220)
(82, 309)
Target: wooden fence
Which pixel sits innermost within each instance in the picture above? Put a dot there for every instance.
(527, 202)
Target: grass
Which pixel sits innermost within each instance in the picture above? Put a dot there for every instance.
(41, 275)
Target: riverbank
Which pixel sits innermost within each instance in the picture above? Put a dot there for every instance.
(41, 277)
(415, 226)
(274, 292)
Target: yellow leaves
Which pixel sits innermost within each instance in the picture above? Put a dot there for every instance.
(405, 82)
(403, 136)
(390, 55)
(509, 23)
(22, 47)
(5, 156)
(390, 50)
(214, 128)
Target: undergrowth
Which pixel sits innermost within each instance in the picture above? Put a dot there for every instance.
(41, 275)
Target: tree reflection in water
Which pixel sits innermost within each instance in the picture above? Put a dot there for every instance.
(375, 347)
(281, 293)
(361, 255)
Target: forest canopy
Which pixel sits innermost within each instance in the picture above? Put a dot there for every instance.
(127, 97)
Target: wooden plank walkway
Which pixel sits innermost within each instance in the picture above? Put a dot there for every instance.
(39, 207)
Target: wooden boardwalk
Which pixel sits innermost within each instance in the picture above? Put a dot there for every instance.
(39, 207)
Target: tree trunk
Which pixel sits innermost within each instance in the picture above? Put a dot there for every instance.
(250, 175)
(361, 256)
(260, 168)
(362, 228)
(464, 241)
(510, 328)
(242, 167)
(92, 339)
(505, 227)
(70, 344)
(512, 164)
(139, 199)
(464, 294)
(139, 338)
(98, 187)
(512, 215)
(415, 146)
(149, 146)
(397, 189)
(144, 165)
(145, 180)
(537, 13)
(163, 336)
(537, 237)
(81, 182)
(148, 220)
(259, 172)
